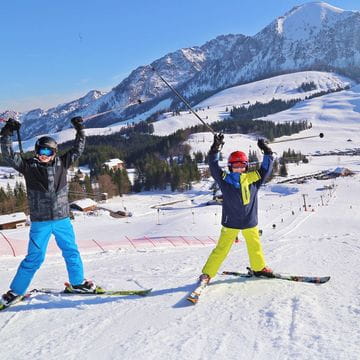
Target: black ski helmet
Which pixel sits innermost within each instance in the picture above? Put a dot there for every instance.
(46, 142)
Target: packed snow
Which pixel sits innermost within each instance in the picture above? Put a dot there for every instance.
(234, 319)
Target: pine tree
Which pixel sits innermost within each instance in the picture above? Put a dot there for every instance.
(121, 179)
(283, 170)
(87, 184)
(76, 191)
(20, 197)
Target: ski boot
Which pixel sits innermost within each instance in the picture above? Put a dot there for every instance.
(266, 272)
(204, 279)
(9, 298)
(87, 287)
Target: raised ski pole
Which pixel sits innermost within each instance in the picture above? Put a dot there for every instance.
(184, 101)
(105, 112)
(19, 142)
(321, 135)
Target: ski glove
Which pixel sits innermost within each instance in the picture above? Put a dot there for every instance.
(264, 147)
(10, 126)
(218, 143)
(77, 122)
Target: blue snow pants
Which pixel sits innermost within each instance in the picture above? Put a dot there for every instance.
(40, 232)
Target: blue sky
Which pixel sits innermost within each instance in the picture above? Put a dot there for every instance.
(54, 52)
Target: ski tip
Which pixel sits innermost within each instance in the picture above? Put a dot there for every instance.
(145, 292)
(193, 297)
(192, 300)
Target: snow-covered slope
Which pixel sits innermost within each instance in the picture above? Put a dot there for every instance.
(307, 20)
(235, 319)
(285, 87)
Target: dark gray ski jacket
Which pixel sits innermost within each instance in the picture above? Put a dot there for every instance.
(46, 184)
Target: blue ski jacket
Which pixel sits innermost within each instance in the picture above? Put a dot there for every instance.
(240, 204)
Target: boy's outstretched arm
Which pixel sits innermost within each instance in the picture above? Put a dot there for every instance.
(73, 154)
(13, 159)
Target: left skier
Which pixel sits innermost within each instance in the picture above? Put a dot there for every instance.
(47, 192)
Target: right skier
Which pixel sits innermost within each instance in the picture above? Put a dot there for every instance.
(240, 207)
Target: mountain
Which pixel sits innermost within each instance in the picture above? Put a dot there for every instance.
(342, 107)
(313, 36)
(177, 68)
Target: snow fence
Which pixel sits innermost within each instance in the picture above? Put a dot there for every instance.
(18, 247)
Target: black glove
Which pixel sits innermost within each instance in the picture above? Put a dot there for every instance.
(77, 122)
(218, 143)
(10, 126)
(264, 147)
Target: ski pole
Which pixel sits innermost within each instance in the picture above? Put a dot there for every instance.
(19, 141)
(321, 135)
(105, 112)
(184, 101)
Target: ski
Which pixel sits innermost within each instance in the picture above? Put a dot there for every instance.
(98, 291)
(306, 279)
(194, 296)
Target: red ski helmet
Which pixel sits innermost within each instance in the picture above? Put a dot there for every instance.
(237, 157)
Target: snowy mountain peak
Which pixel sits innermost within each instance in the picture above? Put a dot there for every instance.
(317, 6)
(92, 95)
(307, 20)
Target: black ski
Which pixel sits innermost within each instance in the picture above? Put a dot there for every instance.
(306, 279)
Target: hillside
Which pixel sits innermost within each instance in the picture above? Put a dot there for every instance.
(214, 108)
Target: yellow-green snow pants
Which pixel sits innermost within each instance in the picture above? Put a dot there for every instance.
(227, 238)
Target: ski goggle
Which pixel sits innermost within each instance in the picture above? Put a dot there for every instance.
(45, 151)
(238, 164)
